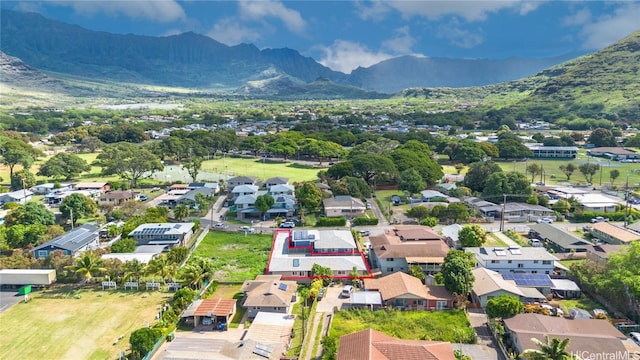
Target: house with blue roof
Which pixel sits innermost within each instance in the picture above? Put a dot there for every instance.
(82, 238)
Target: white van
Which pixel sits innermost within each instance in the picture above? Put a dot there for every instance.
(347, 290)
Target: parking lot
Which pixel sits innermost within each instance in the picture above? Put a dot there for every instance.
(331, 300)
(9, 298)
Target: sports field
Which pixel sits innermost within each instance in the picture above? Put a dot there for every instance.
(82, 327)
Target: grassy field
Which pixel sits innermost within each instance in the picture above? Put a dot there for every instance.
(76, 328)
(450, 325)
(236, 257)
(584, 303)
(554, 176)
(230, 167)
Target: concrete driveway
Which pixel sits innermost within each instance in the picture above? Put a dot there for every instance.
(331, 300)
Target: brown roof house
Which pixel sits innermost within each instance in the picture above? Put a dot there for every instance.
(209, 312)
(374, 345)
(589, 338)
(117, 197)
(389, 253)
(268, 293)
(613, 234)
(409, 293)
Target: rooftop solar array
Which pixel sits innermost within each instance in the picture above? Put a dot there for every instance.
(535, 280)
(263, 350)
(152, 231)
(282, 286)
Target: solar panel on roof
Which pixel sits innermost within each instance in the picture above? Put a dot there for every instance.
(296, 262)
(282, 287)
(541, 280)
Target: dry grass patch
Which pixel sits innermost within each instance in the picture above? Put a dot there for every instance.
(76, 327)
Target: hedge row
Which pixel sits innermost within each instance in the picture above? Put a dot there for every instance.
(331, 221)
(365, 221)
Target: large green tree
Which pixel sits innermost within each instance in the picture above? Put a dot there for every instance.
(129, 161)
(16, 151)
(512, 149)
(465, 152)
(411, 182)
(588, 170)
(472, 236)
(602, 137)
(514, 184)
(264, 203)
(143, 340)
(76, 206)
(193, 165)
(29, 213)
(63, 166)
(478, 173)
(503, 306)
(309, 195)
(456, 272)
(568, 170)
(369, 167)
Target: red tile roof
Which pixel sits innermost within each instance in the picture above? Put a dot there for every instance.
(373, 345)
(218, 307)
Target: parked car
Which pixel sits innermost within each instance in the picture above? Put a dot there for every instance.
(288, 224)
(635, 336)
(598, 219)
(347, 290)
(220, 226)
(143, 197)
(365, 232)
(535, 242)
(247, 229)
(545, 221)
(368, 206)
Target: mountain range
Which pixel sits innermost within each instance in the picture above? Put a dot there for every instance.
(196, 61)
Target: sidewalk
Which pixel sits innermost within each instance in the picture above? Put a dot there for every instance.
(506, 239)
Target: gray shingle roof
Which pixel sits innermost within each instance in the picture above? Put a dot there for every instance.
(74, 239)
(554, 234)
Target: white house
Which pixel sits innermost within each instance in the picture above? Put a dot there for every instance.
(19, 196)
(533, 260)
(163, 233)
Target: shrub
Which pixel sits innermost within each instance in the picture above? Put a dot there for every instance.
(143, 340)
(331, 221)
(365, 221)
(125, 245)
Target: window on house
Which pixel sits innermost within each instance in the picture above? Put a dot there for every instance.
(389, 269)
(547, 272)
(520, 266)
(535, 261)
(495, 261)
(510, 261)
(43, 253)
(546, 262)
(389, 259)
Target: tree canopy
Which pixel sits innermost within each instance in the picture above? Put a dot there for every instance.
(472, 236)
(456, 272)
(503, 306)
(64, 165)
(29, 213)
(129, 161)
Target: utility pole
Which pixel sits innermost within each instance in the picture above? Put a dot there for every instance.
(71, 215)
(626, 206)
(504, 209)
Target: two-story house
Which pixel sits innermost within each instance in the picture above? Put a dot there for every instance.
(239, 180)
(245, 197)
(275, 181)
(613, 234)
(532, 260)
(399, 249)
(163, 233)
(295, 252)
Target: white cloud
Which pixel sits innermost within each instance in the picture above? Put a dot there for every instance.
(346, 56)
(607, 29)
(460, 37)
(159, 11)
(581, 17)
(231, 32)
(436, 9)
(401, 43)
(257, 10)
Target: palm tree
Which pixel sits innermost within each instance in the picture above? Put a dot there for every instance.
(180, 212)
(198, 271)
(550, 349)
(163, 267)
(133, 269)
(87, 265)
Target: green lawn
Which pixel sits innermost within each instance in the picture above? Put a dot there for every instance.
(229, 167)
(236, 257)
(494, 241)
(449, 325)
(552, 169)
(584, 303)
(83, 327)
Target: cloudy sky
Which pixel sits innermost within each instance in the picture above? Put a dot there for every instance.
(346, 34)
